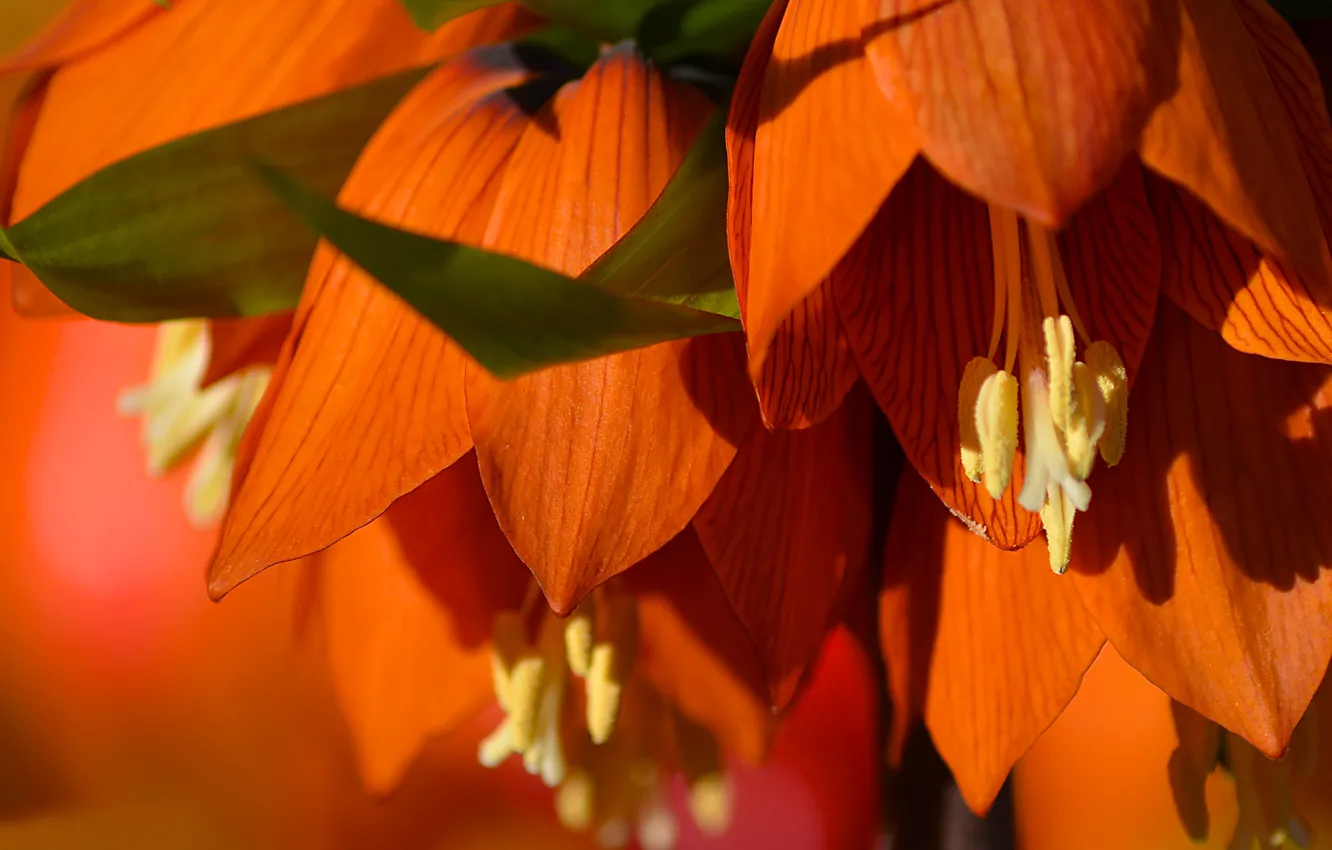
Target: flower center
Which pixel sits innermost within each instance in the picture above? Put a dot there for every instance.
(609, 761)
(178, 415)
(1071, 408)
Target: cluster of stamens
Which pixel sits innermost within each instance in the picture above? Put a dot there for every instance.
(609, 762)
(180, 415)
(1071, 409)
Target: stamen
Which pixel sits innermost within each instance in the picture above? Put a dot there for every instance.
(575, 801)
(1112, 384)
(1042, 269)
(997, 430)
(1059, 357)
(1010, 238)
(975, 375)
(603, 693)
(1057, 517)
(999, 249)
(524, 691)
(1087, 422)
(578, 637)
(657, 829)
(711, 801)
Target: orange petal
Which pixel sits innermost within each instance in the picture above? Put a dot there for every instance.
(1251, 173)
(809, 368)
(592, 467)
(397, 650)
(787, 527)
(1029, 104)
(369, 385)
(694, 649)
(83, 26)
(916, 296)
(828, 148)
(1097, 780)
(209, 62)
(1205, 554)
(1112, 255)
(1225, 282)
(989, 645)
(241, 343)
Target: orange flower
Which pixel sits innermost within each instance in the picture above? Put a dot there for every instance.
(138, 714)
(1121, 766)
(133, 75)
(589, 468)
(860, 135)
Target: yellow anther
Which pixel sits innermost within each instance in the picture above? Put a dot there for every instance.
(976, 373)
(575, 801)
(209, 485)
(508, 647)
(1057, 517)
(1087, 423)
(604, 686)
(997, 430)
(1112, 382)
(578, 639)
(657, 829)
(1060, 356)
(497, 746)
(524, 700)
(710, 803)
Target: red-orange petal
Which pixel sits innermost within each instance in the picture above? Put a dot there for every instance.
(1029, 104)
(809, 368)
(1227, 284)
(591, 467)
(695, 650)
(828, 148)
(241, 343)
(400, 666)
(916, 296)
(1205, 554)
(1112, 255)
(1250, 172)
(786, 528)
(83, 26)
(368, 402)
(1258, 303)
(208, 62)
(989, 646)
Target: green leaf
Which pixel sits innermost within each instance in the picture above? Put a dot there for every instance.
(430, 15)
(511, 316)
(677, 252)
(676, 30)
(186, 230)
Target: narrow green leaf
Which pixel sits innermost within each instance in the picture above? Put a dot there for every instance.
(511, 316)
(677, 30)
(677, 252)
(6, 248)
(430, 15)
(186, 230)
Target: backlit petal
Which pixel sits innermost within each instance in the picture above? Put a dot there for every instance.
(368, 384)
(989, 645)
(209, 62)
(809, 367)
(83, 26)
(401, 601)
(828, 148)
(916, 298)
(241, 343)
(695, 650)
(1206, 552)
(591, 467)
(1259, 303)
(1207, 138)
(786, 529)
(1029, 104)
